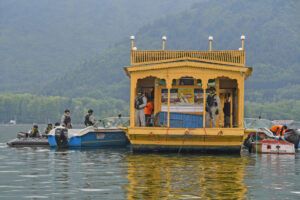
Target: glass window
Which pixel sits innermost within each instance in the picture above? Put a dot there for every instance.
(199, 82)
(161, 82)
(174, 82)
(186, 81)
(211, 82)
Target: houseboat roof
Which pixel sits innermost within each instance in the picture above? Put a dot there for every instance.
(232, 60)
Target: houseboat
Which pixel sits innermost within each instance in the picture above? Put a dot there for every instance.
(178, 83)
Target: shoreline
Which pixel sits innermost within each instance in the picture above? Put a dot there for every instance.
(8, 125)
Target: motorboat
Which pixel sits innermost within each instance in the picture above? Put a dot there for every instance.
(104, 134)
(23, 140)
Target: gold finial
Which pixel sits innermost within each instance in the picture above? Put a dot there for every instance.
(210, 38)
(164, 38)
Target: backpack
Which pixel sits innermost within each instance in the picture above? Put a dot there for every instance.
(211, 100)
(138, 102)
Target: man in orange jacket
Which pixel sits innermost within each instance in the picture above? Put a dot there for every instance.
(279, 130)
(148, 111)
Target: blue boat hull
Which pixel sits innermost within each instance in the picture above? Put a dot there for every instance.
(95, 140)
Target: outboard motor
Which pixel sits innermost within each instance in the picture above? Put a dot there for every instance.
(61, 137)
(292, 136)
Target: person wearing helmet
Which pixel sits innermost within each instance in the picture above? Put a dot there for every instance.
(89, 119)
(66, 119)
(34, 132)
(140, 103)
(212, 107)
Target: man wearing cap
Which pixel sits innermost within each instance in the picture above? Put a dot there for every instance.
(34, 132)
(66, 119)
(213, 105)
(89, 119)
(48, 129)
(140, 103)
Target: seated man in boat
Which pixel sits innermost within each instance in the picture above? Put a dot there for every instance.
(279, 130)
(89, 119)
(213, 105)
(66, 119)
(34, 132)
(48, 129)
(140, 103)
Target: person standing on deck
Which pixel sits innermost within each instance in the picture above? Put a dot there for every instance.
(213, 105)
(148, 111)
(89, 119)
(227, 111)
(140, 103)
(66, 119)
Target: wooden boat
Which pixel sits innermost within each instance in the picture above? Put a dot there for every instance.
(270, 146)
(178, 82)
(262, 140)
(90, 137)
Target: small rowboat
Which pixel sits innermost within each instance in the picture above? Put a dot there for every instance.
(270, 146)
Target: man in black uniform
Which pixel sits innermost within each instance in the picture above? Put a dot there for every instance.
(89, 119)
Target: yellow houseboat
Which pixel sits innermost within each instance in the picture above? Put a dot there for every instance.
(178, 83)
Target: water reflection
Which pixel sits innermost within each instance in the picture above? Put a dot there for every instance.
(186, 177)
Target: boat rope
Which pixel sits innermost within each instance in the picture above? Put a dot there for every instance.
(219, 134)
(153, 137)
(186, 133)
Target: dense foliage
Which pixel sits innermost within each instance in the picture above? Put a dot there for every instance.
(27, 108)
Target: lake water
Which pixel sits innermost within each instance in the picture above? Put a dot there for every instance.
(40, 173)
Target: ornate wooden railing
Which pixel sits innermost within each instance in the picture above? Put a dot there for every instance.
(235, 57)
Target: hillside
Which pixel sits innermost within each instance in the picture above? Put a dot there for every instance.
(40, 40)
(272, 30)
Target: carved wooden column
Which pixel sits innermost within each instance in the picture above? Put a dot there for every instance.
(169, 86)
(133, 82)
(204, 86)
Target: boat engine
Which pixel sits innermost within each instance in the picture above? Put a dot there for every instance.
(61, 137)
(292, 136)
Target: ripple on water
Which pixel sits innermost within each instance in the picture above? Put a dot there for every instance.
(36, 197)
(93, 190)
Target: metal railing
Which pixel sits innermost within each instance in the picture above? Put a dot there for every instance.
(234, 57)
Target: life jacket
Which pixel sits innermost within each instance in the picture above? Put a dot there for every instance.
(34, 132)
(278, 130)
(87, 121)
(211, 101)
(148, 109)
(48, 129)
(138, 101)
(67, 120)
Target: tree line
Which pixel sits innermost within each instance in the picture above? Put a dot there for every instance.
(28, 108)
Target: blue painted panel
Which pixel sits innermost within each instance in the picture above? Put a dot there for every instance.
(181, 120)
(100, 139)
(51, 140)
(75, 141)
